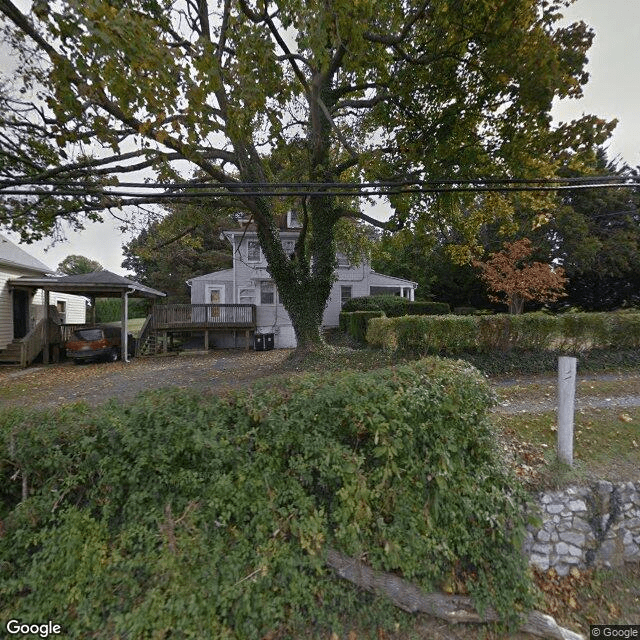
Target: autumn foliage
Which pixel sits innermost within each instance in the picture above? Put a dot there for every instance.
(512, 278)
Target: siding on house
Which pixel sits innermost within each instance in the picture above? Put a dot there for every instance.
(75, 307)
(250, 267)
(6, 304)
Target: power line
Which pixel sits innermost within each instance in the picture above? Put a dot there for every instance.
(595, 180)
(240, 192)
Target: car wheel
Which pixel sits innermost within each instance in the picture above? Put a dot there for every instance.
(113, 355)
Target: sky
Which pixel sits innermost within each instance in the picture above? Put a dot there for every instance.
(613, 91)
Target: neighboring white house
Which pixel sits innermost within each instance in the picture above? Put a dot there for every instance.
(249, 282)
(20, 311)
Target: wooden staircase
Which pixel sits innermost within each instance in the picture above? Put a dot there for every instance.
(11, 355)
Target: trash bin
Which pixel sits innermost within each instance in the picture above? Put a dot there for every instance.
(263, 342)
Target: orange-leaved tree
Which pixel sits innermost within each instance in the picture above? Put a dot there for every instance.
(512, 278)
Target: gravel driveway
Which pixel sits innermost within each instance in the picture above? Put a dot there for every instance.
(47, 386)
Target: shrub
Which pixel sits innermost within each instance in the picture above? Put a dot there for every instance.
(569, 332)
(464, 311)
(392, 306)
(427, 308)
(355, 323)
(176, 516)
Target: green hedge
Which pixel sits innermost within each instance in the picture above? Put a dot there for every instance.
(571, 332)
(395, 306)
(355, 323)
(178, 516)
(392, 306)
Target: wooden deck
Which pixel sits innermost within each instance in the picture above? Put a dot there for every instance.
(203, 316)
(168, 319)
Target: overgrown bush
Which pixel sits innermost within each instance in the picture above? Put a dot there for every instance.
(180, 517)
(569, 332)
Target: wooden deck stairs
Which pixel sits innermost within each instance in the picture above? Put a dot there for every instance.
(168, 319)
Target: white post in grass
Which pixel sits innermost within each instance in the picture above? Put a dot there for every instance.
(566, 401)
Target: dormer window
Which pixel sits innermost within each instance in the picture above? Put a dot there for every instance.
(253, 251)
(293, 221)
(343, 261)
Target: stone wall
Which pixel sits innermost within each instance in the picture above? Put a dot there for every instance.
(595, 526)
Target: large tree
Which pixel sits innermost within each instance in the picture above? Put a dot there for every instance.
(248, 93)
(74, 264)
(181, 245)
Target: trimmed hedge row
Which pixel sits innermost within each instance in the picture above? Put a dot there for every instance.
(209, 518)
(571, 332)
(395, 306)
(355, 323)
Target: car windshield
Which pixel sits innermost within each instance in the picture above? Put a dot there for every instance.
(88, 335)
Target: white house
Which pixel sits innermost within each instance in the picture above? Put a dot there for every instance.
(19, 310)
(249, 282)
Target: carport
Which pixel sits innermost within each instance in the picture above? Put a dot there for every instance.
(99, 284)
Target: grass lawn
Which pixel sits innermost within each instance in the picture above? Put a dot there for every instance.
(134, 325)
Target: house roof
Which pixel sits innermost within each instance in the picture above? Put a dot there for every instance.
(14, 256)
(224, 274)
(381, 278)
(102, 284)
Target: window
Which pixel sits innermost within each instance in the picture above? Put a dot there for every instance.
(343, 261)
(345, 294)
(253, 251)
(289, 247)
(247, 296)
(293, 221)
(61, 306)
(267, 292)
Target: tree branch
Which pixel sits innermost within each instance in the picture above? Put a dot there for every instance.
(453, 609)
(396, 39)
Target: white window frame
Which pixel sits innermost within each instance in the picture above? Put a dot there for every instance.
(246, 293)
(343, 288)
(251, 245)
(273, 285)
(293, 220)
(342, 261)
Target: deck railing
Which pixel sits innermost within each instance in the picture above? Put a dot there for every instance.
(31, 344)
(204, 315)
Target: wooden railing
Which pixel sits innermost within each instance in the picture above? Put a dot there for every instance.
(31, 345)
(204, 315)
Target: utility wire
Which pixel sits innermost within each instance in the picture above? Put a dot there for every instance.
(356, 186)
(112, 192)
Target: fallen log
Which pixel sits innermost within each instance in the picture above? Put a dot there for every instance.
(453, 609)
